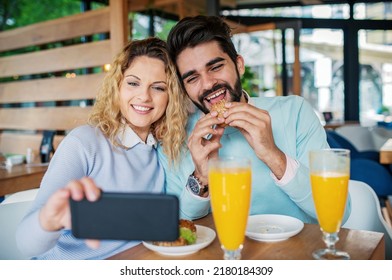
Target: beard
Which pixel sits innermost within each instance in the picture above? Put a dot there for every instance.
(234, 94)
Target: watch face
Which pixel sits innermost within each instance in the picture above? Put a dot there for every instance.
(193, 185)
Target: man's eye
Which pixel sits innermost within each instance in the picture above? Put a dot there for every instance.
(217, 67)
(191, 80)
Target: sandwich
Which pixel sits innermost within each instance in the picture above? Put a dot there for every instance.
(220, 108)
(187, 235)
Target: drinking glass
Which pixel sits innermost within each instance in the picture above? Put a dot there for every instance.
(329, 176)
(230, 188)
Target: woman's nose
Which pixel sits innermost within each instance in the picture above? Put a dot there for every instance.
(144, 94)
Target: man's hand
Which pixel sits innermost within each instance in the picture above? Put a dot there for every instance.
(255, 125)
(203, 149)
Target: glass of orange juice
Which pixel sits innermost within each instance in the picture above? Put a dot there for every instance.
(229, 181)
(329, 177)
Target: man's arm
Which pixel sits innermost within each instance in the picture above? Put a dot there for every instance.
(176, 178)
(310, 135)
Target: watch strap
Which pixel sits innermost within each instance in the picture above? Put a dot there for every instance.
(200, 190)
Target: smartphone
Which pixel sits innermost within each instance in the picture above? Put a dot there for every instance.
(126, 216)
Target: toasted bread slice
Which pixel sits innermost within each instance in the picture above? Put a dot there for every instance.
(220, 108)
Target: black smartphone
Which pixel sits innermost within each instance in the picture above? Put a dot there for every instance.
(126, 216)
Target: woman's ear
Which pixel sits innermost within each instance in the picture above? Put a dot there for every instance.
(240, 65)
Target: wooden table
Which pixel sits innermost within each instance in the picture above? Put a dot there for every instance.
(386, 152)
(361, 245)
(20, 177)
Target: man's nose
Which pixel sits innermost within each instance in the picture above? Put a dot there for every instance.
(209, 81)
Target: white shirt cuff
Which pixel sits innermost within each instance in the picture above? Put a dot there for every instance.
(291, 170)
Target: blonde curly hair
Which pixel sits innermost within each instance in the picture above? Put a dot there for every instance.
(169, 130)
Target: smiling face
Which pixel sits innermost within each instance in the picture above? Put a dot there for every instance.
(143, 94)
(209, 75)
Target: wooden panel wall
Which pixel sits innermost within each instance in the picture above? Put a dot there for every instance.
(36, 93)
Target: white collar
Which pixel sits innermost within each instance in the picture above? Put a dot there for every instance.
(129, 138)
(247, 97)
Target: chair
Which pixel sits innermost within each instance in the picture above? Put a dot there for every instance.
(366, 213)
(365, 166)
(374, 174)
(12, 210)
(380, 135)
(27, 195)
(10, 216)
(340, 141)
(360, 136)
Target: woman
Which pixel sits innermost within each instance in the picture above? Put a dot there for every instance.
(139, 104)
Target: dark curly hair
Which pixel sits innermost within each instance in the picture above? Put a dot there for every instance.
(192, 31)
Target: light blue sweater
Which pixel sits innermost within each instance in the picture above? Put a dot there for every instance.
(296, 130)
(86, 152)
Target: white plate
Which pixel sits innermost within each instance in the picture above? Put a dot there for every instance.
(205, 236)
(272, 228)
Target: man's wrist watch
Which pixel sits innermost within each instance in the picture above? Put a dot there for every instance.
(195, 186)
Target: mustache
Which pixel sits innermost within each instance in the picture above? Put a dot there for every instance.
(209, 91)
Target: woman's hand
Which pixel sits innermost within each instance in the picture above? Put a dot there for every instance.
(56, 213)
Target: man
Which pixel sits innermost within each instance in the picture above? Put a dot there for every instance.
(275, 133)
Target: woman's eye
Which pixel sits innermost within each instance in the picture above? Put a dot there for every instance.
(160, 88)
(134, 84)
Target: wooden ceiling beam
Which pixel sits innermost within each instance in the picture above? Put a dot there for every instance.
(181, 8)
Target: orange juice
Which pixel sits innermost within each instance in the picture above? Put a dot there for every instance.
(230, 190)
(330, 196)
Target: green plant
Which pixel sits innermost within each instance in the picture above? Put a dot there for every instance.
(249, 82)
